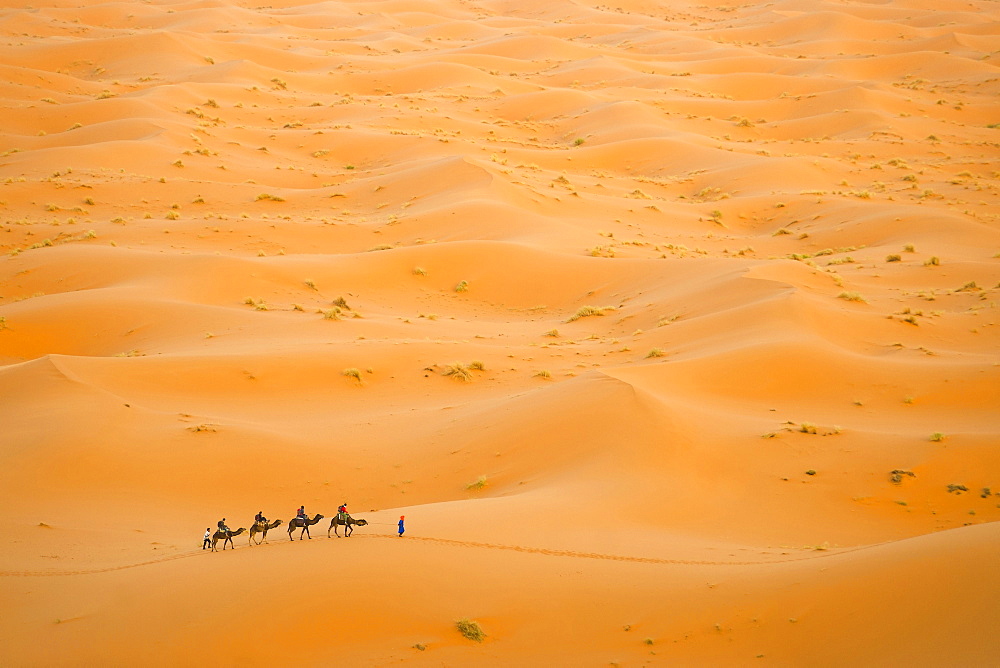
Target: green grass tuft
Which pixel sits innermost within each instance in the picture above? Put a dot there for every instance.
(478, 483)
(470, 630)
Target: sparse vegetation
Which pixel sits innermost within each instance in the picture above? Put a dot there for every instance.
(896, 476)
(893, 258)
(463, 286)
(655, 352)
(852, 297)
(542, 374)
(553, 333)
(587, 311)
(352, 373)
(470, 630)
(932, 261)
(957, 489)
(419, 271)
(478, 483)
(458, 371)
(937, 437)
(268, 196)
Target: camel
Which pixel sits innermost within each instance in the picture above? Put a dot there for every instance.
(225, 537)
(348, 525)
(262, 528)
(304, 524)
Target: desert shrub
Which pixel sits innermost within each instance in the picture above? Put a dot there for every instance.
(852, 297)
(470, 630)
(896, 476)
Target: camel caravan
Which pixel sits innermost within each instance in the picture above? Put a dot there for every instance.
(301, 521)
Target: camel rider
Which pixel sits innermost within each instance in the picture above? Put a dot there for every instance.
(300, 514)
(342, 512)
(222, 526)
(260, 519)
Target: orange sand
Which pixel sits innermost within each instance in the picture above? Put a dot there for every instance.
(784, 215)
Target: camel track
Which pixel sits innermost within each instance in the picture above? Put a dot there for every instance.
(472, 544)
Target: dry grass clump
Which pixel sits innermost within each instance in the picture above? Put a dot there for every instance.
(419, 271)
(458, 371)
(331, 313)
(552, 332)
(268, 196)
(258, 304)
(587, 311)
(542, 374)
(655, 352)
(470, 630)
(477, 365)
(478, 483)
(352, 373)
(852, 297)
(463, 286)
(932, 261)
(937, 437)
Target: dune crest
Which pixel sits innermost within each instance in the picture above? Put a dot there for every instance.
(669, 327)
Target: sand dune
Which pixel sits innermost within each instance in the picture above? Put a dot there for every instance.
(671, 330)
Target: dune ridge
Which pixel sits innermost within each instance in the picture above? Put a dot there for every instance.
(670, 328)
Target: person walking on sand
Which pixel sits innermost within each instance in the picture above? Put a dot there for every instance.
(205, 544)
(401, 528)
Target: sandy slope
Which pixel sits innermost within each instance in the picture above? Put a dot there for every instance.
(783, 219)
